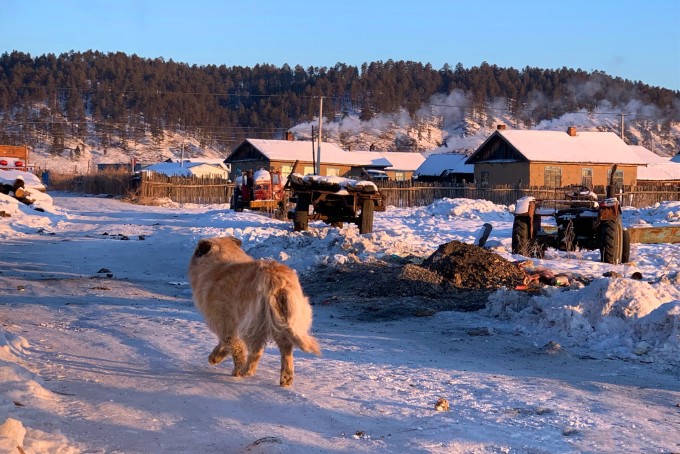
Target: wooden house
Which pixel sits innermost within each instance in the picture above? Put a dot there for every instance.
(282, 155)
(554, 159)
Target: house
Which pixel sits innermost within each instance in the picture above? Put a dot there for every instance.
(187, 169)
(659, 171)
(450, 167)
(282, 155)
(554, 159)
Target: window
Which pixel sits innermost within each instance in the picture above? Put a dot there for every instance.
(285, 171)
(333, 171)
(587, 178)
(618, 178)
(485, 178)
(308, 170)
(400, 176)
(553, 177)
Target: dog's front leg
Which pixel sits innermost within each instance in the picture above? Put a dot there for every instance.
(255, 351)
(238, 352)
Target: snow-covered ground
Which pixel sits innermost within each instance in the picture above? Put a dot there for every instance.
(102, 350)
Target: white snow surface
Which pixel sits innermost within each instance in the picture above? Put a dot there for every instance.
(102, 350)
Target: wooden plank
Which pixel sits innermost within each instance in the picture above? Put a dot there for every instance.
(655, 235)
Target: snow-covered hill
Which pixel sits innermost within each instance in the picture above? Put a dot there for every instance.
(437, 128)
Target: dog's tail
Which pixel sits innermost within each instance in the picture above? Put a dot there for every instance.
(289, 311)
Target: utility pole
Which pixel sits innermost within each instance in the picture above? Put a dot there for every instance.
(317, 170)
(622, 115)
(181, 158)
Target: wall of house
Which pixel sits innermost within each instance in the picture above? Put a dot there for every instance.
(572, 174)
(502, 173)
(399, 175)
(303, 167)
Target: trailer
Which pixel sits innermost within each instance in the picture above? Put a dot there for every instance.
(333, 200)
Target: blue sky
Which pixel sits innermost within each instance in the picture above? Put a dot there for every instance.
(636, 40)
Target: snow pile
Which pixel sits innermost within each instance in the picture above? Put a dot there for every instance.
(475, 210)
(20, 389)
(622, 318)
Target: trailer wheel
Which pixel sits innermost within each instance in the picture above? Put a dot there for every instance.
(611, 239)
(520, 236)
(366, 218)
(301, 220)
(625, 247)
(238, 204)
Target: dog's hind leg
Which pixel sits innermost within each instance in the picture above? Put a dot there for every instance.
(220, 352)
(286, 348)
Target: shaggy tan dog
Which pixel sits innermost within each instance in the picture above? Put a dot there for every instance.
(246, 302)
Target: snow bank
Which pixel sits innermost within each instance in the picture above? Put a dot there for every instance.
(616, 317)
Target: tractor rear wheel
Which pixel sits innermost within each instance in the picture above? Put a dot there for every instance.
(520, 236)
(366, 217)
(611, 242)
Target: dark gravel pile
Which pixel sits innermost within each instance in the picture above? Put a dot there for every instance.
(466, 266)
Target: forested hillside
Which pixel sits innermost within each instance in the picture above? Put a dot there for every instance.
(116, 100)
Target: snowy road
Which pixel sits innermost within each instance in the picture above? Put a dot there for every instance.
(120, 362)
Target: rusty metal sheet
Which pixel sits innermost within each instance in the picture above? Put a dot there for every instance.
(655, 235)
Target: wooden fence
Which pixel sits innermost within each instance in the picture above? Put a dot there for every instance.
(200, 190)
(203, 190)
(118, 183)
(409, 194)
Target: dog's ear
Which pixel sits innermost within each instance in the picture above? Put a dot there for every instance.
(202, 248)
(236, 241)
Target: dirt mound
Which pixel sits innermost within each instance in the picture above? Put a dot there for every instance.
(466, 266)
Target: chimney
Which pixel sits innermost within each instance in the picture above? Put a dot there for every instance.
(500, 127)
(289, 136)
(571, 130)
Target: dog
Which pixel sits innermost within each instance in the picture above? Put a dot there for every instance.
(247, 302)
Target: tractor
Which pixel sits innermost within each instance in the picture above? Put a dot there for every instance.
(262, 191)
(582, 222)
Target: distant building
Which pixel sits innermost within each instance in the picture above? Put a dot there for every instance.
(449, 167)
(187, 169)
(658, 171)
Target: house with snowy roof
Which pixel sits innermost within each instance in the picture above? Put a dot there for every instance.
(449, 167)
(658, 171)
(554, 158)
(288, 156)
(402, 165)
